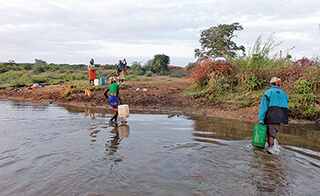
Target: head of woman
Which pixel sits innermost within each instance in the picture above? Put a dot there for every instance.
(112, 80)
(275, 81)
(91, 61)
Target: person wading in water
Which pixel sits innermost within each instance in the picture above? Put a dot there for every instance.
(273, 111)
(114, 100)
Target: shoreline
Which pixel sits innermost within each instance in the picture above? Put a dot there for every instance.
(154, 99)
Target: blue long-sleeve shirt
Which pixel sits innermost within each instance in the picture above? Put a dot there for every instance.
(274, 106)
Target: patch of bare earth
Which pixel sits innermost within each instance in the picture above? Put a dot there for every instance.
(162, 93)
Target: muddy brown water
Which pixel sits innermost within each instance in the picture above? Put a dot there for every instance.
(66, 150)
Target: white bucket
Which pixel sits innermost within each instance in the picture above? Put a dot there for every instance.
(124, 131)
(123, 111)
(96, 82)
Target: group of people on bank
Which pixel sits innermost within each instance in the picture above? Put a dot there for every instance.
(114, 99)
(121, 70)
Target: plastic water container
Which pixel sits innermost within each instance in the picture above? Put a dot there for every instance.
(259, 135)
(102, 81)
(123, 111)
(96, 82)
(124, 131)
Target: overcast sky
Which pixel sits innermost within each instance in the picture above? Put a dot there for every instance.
(74, 31)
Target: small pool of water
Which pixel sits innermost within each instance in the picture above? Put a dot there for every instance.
(66, 150)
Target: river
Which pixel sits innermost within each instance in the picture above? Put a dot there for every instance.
(49, 149)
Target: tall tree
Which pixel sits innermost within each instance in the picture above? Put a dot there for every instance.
(160, 64)
(39, 62)
(216, 41)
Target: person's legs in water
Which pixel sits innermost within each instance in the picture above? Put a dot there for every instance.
(270, 141)
(114, 117)
(272, 130)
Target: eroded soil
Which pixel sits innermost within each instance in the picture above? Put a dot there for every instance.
(159, 94)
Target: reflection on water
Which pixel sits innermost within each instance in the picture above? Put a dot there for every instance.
(305, 136)
(119, 132)
(69, 150)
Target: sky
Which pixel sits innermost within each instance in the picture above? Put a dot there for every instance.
(74, 31)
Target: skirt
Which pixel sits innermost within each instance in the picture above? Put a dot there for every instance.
(121, 76)
(113, 102)
(92, 74)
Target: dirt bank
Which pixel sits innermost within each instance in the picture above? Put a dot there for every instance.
(159, 94)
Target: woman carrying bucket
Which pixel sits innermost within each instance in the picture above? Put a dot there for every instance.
(114, 100)
(92, 72)
(122, 70)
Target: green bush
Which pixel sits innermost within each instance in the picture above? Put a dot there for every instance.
(39, 80)
(303, 106)
(302, 87)
(178, 75)
(19, 82)
(27, 66)
(149, 73)
(223, 86)
(244, 101)
(38, 69)
(81, 77)
(63, 70)
(64, 77)
(138, 72)
(254, 83)
(3, 68)
(132, 78)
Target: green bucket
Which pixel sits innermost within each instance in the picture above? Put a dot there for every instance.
(259, 135)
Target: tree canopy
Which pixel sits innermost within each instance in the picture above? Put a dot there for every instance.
(216, 41)
(160, 64)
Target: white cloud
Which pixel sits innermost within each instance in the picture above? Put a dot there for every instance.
(69, 31)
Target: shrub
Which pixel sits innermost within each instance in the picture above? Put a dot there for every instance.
(139, 72)
(81, 77)
(27, 66)
(178, 75)
(4, 68)
(132, 78)
(18, 83)
(303, 106)
(254, 83)
(39, 80)
(38, 69)
(244, 101)
(149, 73)
(302, 87)
(63, 77)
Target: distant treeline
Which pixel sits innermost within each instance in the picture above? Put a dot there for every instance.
(24, 74)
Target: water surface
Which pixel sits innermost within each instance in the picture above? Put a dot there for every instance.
(65, 150)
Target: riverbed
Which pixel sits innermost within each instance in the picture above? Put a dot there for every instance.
(49, 149)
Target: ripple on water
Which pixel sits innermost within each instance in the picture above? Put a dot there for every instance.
(65, 152)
